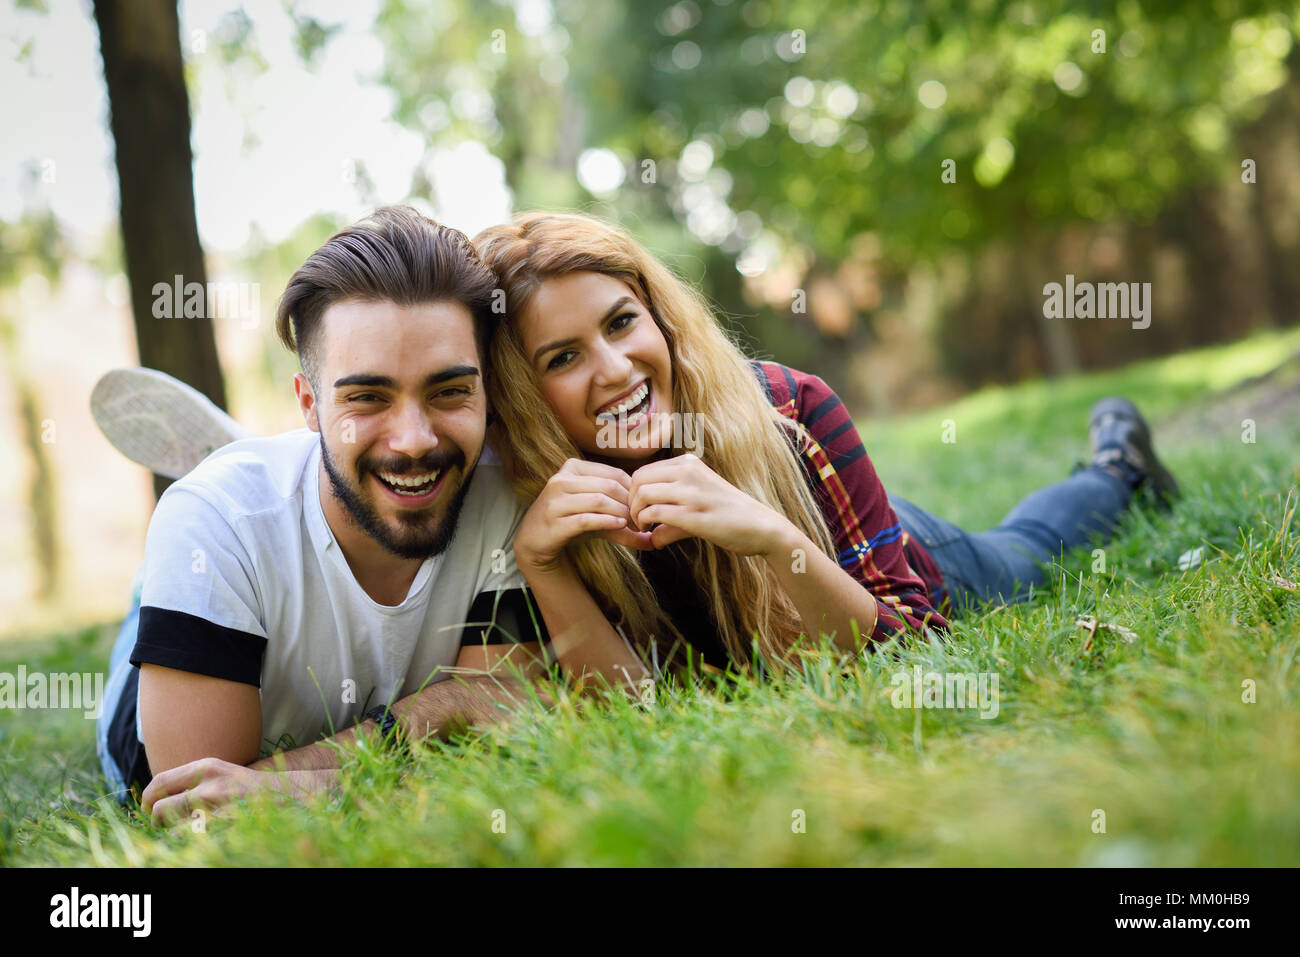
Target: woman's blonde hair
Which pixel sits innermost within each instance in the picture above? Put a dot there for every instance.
(740, 435)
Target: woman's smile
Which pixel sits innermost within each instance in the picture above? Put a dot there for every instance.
(631, 403)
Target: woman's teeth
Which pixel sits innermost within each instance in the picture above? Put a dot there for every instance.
(410, 484)
(627, 405)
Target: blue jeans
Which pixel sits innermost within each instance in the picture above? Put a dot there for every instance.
(1004, 563)
(119, 711)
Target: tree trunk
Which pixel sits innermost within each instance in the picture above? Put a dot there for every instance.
(42, 489)
(41, 493)
(150, 120)
(1272, 142)
(1056, 336)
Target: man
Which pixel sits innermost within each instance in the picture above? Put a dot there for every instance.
(307, 582)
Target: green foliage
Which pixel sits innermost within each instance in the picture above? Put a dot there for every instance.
(831, 119)
(33, 245)
(849, 135)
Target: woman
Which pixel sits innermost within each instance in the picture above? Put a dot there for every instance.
(772, 524)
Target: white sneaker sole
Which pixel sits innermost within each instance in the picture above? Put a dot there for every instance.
(160, 422)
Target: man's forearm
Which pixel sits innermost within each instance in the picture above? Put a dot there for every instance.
(301, 784)
(438, 710)
(462, 703)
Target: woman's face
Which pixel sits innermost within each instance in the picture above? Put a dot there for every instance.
(602, 365)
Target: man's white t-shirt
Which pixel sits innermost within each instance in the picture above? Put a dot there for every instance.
(244, 580)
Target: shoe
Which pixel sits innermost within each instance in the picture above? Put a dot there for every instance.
(1120, 438)
(160, 422)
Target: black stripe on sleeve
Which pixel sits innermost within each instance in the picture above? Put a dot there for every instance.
(827, 404)
(176, 639)
(835, 433)
(841, 462)
(791, 386)
(502, 618)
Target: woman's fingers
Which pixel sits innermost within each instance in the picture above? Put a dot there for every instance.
(597, 470)
(571, 526)
(578, 484)
(657, 493)
(639, 541)
(666, 535)
(595, 502)
(669, 468)
(675, 515)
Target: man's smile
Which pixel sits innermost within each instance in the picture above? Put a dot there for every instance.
(415, 490)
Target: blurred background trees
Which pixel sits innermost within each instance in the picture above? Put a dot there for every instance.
(803, 146)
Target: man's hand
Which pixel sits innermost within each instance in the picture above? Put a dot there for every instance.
(201, 785)
(210, 783)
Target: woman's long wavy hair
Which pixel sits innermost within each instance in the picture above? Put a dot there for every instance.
(740, 435)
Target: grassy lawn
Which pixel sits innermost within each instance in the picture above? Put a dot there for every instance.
(1152, 731)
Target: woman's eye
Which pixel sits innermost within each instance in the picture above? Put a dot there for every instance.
(560, 359)
(621, 321)
(456, 393)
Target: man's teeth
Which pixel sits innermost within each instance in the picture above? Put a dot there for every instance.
(631, 402)
(410, 481)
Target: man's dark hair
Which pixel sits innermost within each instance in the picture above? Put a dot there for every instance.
(394, 255)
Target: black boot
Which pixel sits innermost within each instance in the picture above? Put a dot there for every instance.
(1121, 444)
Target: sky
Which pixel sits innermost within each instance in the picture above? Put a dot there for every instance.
(270, 150)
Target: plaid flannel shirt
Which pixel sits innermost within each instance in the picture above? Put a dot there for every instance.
(870, 543)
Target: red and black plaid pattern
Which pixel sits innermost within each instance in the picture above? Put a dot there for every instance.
(870, 543)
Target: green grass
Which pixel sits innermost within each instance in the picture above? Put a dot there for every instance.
(1154, 732)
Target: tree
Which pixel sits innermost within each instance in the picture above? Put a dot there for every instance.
(150, 122)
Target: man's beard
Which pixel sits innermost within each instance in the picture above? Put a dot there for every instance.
(418, 541)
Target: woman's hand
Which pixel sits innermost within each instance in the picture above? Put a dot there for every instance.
(685, 498)
(581, 498)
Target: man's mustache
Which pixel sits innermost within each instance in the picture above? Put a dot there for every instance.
(433, 462)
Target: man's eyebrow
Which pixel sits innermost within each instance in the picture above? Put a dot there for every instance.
(455, 372)
(618, 304)
(387, 382)
(361, 378)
